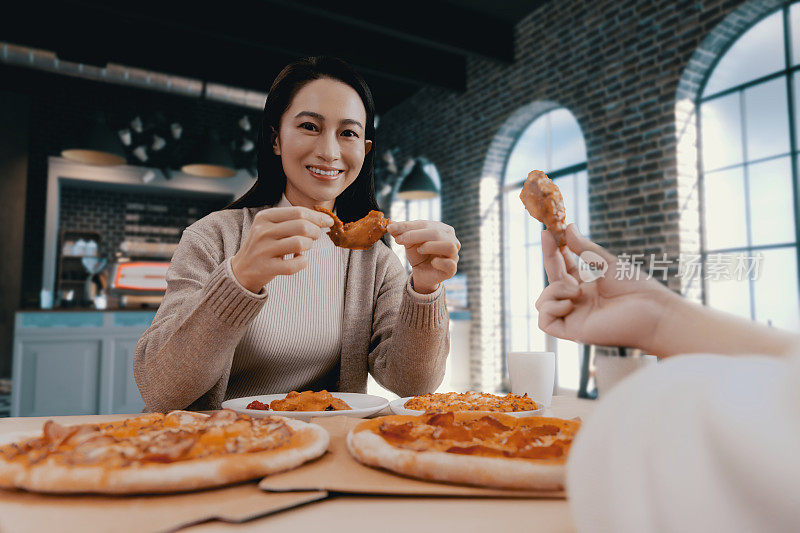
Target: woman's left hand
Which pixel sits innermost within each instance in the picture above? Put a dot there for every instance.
(432, 250)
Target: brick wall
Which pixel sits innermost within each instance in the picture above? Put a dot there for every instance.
(629, 71)
(125, 215)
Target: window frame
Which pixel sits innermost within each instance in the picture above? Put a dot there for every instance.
(504, 189)
(399, 204)
(787, 73)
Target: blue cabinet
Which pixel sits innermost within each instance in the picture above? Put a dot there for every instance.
(124, 394)
(76, 363)
(59, 377)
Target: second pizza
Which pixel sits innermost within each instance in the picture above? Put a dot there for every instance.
(487, 450)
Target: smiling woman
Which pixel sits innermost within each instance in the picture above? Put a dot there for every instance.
(259, 300)
(322, 152)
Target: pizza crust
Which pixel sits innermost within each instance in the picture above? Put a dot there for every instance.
(308, 442)
(371, 449)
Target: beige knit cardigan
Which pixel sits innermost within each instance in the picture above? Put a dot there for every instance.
(184, 359)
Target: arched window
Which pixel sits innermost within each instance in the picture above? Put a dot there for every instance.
(553, 143)
(749, 145)
(425, 209)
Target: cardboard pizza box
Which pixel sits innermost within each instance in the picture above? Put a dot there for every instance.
(338, 471)
(22, 511)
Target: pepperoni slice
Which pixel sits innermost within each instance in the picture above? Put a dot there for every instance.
(487, 427)
(477, 449)
(442, 419)
(400, 432)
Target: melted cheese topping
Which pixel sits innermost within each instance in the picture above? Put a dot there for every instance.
(152, 438)
(494, 435)
(471, 401)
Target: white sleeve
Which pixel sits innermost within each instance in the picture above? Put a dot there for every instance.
(695, 443)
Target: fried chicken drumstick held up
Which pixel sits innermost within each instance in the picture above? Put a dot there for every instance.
(358, 235)
(544, 202)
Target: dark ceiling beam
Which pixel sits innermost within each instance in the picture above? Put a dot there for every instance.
(430, 23)
(185, 37)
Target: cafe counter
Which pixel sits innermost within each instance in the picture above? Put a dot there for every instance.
(76, 362)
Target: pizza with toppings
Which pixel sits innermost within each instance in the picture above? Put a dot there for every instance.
(471, 401)
(181, 450)
(303, 401)
(488, 450)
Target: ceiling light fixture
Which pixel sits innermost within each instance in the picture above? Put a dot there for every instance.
(420, 183)
(98, 146)
(210, 158)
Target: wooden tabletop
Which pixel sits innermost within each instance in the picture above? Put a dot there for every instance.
(387, 514)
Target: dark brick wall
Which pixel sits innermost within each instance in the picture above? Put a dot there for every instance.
(14, 124)
(123, 215)
(622, 68)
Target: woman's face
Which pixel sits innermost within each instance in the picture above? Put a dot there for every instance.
(321, 142)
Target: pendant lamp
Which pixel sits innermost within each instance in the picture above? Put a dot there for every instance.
(418, 183)
(210, 157)
(98, 146)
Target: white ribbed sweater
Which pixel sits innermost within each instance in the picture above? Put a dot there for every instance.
(294, 341)
(187, 356)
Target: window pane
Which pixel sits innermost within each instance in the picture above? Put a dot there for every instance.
(411, 210)
(534, 227)
(536, 337)
(553, 137)
(796, 81)
(755, 54)
(423, 209)
(725, 223)
(722, 132)
(723, 291)
(775, 287)
(771, 202)
(568, 364)
(766, 119)
(517, 278)
(516, 257)
(794, 16)
(536, 276)
(519, 334)
(530, 152)
(515, 218)
(398, 212)
(566, 140)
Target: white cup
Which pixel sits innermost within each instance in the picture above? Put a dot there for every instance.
(532, 373)
(611, 369)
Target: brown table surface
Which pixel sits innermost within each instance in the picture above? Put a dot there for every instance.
(387, 514)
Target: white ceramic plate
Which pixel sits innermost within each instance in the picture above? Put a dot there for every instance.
(363, 405)
(397, 408)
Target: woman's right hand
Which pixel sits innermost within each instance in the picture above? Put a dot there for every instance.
(275, 233)
(607, 311)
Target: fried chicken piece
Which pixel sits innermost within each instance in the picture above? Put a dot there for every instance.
(544, 202)
(358, 235)
(309, 401)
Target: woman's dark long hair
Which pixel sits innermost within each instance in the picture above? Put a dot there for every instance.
(355, 201)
